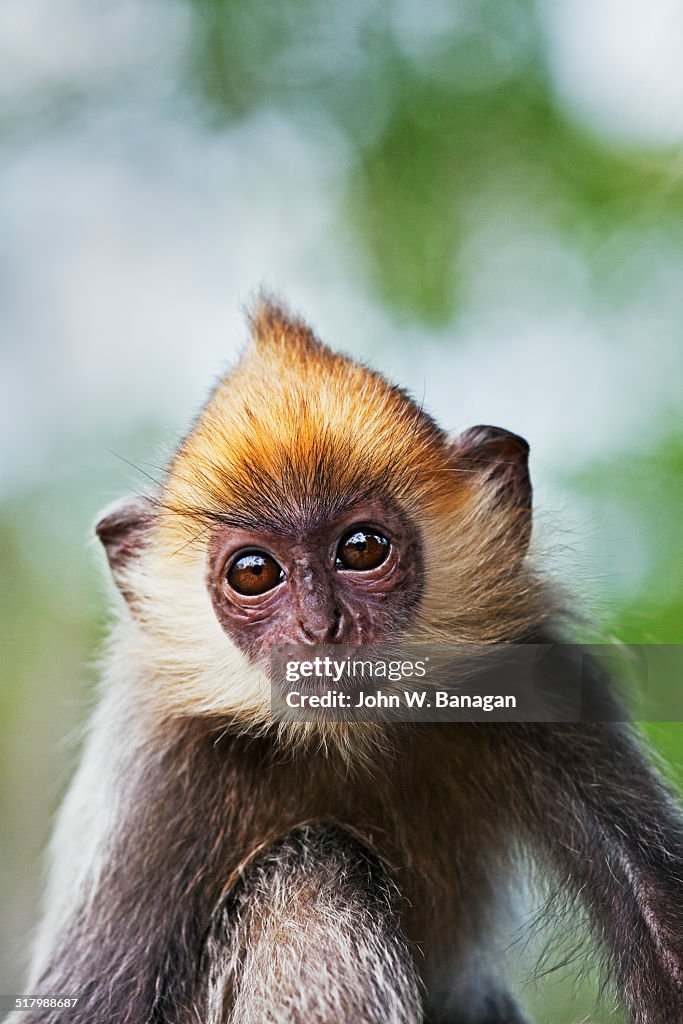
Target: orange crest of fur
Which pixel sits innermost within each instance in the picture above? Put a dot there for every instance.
(297, 432)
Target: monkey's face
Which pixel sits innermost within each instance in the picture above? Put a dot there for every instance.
(354, 578)
(314, 502)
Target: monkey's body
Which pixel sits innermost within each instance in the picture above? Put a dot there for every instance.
(144, 925)
(210, 866)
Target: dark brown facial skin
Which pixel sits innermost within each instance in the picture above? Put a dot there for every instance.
(318, 602)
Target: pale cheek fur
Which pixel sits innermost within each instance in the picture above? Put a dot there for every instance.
(476, 587)
(193, 667)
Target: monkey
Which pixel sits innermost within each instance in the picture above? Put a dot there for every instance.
(210, 865)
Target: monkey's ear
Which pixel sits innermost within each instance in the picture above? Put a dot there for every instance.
(501, 459)
(123, 529)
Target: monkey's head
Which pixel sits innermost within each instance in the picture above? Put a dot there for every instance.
(314, 502)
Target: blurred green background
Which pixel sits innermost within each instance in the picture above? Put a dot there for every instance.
(485, 200)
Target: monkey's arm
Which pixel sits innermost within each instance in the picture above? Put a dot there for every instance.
(132, 876)
(603, 818)
(310, 934)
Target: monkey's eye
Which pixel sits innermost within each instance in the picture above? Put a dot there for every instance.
(253, 573)
(361, 549)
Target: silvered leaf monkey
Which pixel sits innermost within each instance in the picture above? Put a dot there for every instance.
(209, 866)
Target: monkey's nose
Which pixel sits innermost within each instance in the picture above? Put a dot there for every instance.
(320, 630)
